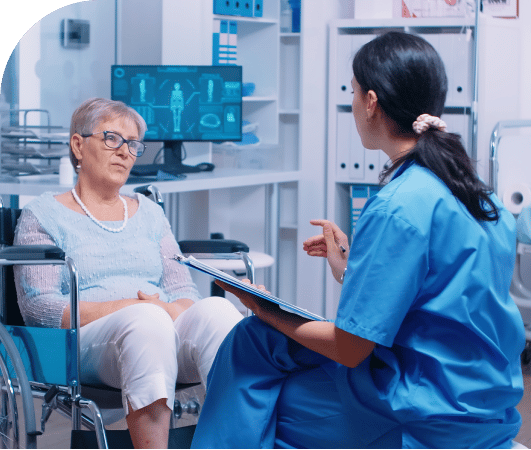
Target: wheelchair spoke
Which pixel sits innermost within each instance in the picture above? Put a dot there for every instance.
(9, 437)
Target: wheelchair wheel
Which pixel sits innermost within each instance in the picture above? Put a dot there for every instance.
(9, 432)
(12, 367)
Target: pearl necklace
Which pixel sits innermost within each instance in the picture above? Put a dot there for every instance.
(96, 221)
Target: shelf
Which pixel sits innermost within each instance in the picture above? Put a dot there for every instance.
(288, 226)
(290, 35)
(351, 25)
(242, 19)
(251, 99)
(289, 112)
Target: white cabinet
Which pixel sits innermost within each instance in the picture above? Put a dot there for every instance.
(262, 209)
(495, 80)
(348, 161)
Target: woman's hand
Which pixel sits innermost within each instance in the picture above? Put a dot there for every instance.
(332, 245)
(174, 309)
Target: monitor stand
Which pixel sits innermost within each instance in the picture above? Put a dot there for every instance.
(172, 164)
(173, 159)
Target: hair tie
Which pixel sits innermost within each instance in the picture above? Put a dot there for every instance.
(425, 121)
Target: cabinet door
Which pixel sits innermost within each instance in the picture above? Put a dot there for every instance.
(357, 166)
(372, 166)
(343, 89)
(460, 124)
(456, 50)
(343, 142)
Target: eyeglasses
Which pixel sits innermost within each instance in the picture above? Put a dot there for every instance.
(114, 140)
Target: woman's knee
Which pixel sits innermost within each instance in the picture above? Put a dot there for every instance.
(148, 323)
(217, 310)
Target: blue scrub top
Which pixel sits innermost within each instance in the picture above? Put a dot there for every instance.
(523, 226)
(429, 285)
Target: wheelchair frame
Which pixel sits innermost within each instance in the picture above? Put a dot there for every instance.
(67, 397)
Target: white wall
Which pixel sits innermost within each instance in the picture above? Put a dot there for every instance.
(525, 61)
(67, 76)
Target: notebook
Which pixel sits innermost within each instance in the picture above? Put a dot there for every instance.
(194, 263)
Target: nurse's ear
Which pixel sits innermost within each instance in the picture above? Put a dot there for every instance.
(371, 104)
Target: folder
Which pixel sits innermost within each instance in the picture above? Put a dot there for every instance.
(224, 7)
(228, 42)
(359, 194)
(215, 42)
(258, 8)
(190, 261)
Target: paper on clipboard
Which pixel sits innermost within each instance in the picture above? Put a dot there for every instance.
(190, 261)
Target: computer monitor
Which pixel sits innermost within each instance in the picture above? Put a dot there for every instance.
(182, 103)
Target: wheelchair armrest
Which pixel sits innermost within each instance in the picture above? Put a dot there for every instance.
(213, 246)
(152, 193)
(31, 253)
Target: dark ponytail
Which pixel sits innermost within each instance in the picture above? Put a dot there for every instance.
(409, 79)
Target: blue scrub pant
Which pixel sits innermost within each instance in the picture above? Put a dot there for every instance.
(265, 390)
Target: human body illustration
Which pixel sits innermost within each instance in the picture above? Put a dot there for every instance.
(177, 106)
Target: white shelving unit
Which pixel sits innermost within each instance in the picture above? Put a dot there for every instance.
(250, 184)
(348, 161)
(494, 82)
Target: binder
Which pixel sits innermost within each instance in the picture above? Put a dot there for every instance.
(245, 8)
(258, 8)
(359, 194)
(190, 261)
(232, 44)
(224, 42)
(223, 7)
(216, 42)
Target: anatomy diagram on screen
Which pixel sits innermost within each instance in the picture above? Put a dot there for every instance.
(177, 107)
(187, 105)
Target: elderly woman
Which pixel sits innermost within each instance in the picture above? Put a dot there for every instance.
(144, 326)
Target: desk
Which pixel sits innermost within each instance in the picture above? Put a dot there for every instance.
(34, 185)
(217, 179)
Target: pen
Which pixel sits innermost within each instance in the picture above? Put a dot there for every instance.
(343, 249)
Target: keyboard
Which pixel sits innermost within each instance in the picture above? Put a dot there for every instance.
(143, 170)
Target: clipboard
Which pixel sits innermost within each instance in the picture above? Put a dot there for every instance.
(192, 262)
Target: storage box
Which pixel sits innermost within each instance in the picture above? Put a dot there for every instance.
(434, 8)
(373, 9)
(507, 9)
(359, 194)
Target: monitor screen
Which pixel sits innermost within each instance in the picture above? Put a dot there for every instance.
(183, 103)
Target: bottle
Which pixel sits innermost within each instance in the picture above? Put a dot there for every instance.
(285, 16)
(66, 171)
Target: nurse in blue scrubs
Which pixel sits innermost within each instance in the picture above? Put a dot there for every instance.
(425, 348)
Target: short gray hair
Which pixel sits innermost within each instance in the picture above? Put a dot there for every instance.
(96, 110)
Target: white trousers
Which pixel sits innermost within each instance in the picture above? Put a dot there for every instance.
(141, 351)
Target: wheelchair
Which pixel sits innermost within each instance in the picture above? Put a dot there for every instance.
(43, 363)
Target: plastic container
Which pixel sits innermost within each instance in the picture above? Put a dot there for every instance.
(295, 15)
(66, 171)
(286, 17)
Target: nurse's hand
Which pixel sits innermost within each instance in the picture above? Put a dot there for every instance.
(332, 245)
(255, 304)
